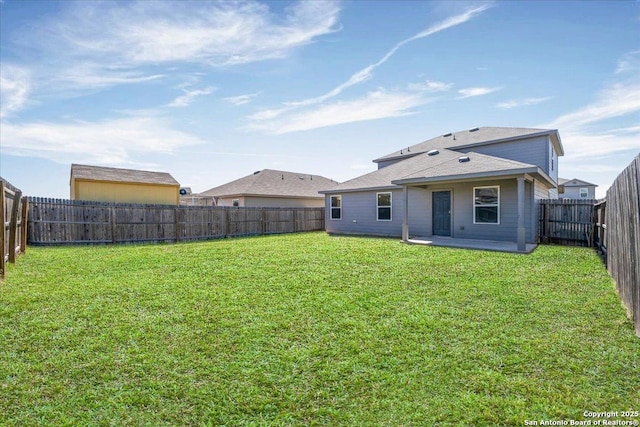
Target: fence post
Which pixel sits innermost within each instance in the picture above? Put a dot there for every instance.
(24, 225)
(13, 226)
(114, 231)
(177, 218)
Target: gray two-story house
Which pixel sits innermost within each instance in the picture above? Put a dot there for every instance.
(480, 183)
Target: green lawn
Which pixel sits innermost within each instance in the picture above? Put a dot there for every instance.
(309, 329)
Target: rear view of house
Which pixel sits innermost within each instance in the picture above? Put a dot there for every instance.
(481, 183)
(272, 188)
(105, 184)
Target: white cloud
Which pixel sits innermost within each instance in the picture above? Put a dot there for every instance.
(375, 105)
(476, 91)
(366, 73)
(92, 75)
(214, 33)
(618, 99)
(110, 142)
(430, 86)
(513, 103)
(241, 99)
(188, 97)
(630, 62)
(15, 85)
(602, 137)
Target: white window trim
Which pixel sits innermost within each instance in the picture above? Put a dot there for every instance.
(331, 208)
(586, 193)
(234, 201)
(481, 205)
(390, 206)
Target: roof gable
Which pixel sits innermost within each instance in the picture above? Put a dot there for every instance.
(474, 137)
(100, 173)
(575, 182)
(274, 183)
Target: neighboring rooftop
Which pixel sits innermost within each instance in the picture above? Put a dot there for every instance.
(100, 173)
(474, 137)
(575, 182)
(274, 183)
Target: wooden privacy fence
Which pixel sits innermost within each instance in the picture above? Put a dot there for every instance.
(566, 221)
(59, 222)
(618, 237)
(13, 215)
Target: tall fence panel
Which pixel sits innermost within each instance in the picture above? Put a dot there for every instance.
(13, 220)
(566, 221)
(622, 237)
(55, 221)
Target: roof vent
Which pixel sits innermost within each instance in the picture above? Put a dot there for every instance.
(474, 129)
(447, 134)
(464, 159)
(432, 152)
(256, 172)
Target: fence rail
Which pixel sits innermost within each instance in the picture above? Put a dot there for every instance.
(566, 221)
(13, 220)
(60, 222)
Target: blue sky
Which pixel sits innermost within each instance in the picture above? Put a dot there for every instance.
(212, 91)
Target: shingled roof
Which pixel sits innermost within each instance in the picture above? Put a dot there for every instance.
(474, 137)
(100, 173)
(274, 183)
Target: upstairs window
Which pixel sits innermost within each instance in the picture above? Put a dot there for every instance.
(336, 207)
(584, 193)
(384, 206)
(486, 205)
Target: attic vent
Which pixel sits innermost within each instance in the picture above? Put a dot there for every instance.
(447, 134)
(464, 159)
(474, 129)
(432, 152)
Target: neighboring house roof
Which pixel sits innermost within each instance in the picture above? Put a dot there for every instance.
(274, 183)
(575, 183)
(474, 137)
(99, 173)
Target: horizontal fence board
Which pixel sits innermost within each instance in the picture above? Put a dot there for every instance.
(56, 221)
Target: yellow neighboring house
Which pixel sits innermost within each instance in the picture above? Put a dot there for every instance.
(123, 185)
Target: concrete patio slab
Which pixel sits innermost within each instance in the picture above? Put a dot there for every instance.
(485, 245)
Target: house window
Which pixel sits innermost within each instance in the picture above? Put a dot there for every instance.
(336, 207)
(235, 203)
(486, 205)
(584, 193)
(384, 206)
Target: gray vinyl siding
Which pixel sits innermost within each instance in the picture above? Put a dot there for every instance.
(360, 210)
(359, 213)
(532, 151)
(386, 163)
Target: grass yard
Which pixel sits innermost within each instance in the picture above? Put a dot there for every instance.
(308, 329)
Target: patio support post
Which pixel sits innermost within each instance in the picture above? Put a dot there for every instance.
(522, 246)
(405, 221)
